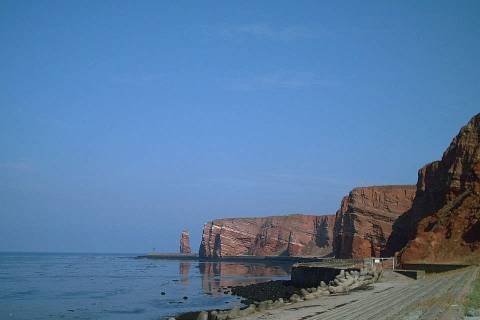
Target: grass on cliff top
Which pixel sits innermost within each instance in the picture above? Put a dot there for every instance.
(473, 299)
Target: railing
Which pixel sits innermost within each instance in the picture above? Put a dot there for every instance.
(382, 263)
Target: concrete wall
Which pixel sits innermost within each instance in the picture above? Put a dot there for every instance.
(433, 268)
(311, 276)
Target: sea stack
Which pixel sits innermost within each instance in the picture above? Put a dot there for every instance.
(185, 243)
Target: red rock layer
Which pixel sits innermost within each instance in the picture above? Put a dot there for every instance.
(364, 221)
(185, 243)
(444, 223)
(299, 235)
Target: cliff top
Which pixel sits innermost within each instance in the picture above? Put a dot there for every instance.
(276, 216)
(387, 187)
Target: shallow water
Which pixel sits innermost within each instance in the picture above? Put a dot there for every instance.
(108, 286)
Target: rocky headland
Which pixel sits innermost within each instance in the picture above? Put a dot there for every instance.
(436, 221)
(443, 225)
(360, 228)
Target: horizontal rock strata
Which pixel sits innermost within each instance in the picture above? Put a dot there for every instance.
(185, 243)
(290, 235)
(364, 221)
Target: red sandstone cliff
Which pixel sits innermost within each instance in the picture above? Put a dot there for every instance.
(444, 223)
(364, 221)
(185, 243)
(277, 235)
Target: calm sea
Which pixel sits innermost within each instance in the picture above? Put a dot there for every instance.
(113, 286)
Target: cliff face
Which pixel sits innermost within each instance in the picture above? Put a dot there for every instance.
(291, 235)
(436, 221)
(444, 223)
(364, 221)
(185, 243)
(360, 228)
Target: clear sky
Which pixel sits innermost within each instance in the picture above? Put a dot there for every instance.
(123, 122)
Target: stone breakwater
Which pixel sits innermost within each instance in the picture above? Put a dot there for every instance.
(276, 294)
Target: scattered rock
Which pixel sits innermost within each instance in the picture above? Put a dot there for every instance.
(295, 298)
(203, 315)
(473, 313)
(274, 294)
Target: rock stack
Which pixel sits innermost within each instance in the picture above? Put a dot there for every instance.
(185, 243)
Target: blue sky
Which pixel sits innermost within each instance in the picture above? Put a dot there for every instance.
(123, 122)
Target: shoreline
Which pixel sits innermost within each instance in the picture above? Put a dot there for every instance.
(195, 257)
(275, 294)
(393, 296)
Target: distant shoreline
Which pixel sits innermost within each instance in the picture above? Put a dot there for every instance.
(69, 253)
(196, 257)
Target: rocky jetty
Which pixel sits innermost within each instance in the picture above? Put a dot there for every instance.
(185, 243)
(364, 221)
(290, 235)
(443, 225)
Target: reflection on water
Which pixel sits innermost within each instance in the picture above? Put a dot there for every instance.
(184, 271)
(216, 275)
(113, 287)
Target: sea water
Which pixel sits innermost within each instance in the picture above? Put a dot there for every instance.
(118, 286)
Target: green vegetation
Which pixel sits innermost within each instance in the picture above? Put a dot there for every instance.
(473, 299)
